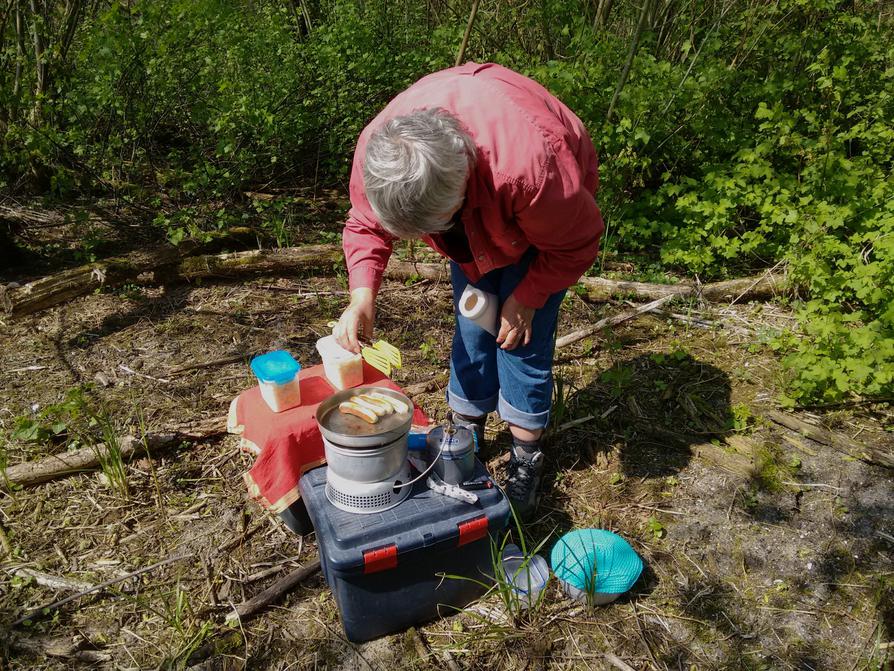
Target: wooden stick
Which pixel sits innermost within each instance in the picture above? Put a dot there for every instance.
(837, 441)
(46, 609)
(462, 48)
(566, 340)
(273, 593)
(55, 582)
(89, 458)
(61, 647)
(424, 651)
(5, 545)
(617, 662)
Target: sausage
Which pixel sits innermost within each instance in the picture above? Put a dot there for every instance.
(351, 408)
(399, 406)
(378, 400)
(373, 406)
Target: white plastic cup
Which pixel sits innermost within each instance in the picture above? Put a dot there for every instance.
(528, 577)
(480, 307)
(343, 368)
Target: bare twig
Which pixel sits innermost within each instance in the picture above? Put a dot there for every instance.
(48, 608)
(462, 49)
(571, 338)
(53, 581)
(273, 593)
(767, 274)
(5, 545)
(617, 662)
(62, 648)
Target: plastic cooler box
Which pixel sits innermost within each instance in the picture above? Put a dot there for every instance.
(387, 569)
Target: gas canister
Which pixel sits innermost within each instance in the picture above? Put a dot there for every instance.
(456, 447)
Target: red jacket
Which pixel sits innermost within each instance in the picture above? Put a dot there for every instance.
(533, 185)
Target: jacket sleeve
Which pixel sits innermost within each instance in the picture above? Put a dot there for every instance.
(563, 222)
(366, 244)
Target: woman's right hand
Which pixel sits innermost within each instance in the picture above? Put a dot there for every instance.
(357, 320)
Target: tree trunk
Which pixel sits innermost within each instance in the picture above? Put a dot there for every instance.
(602, 12)
(38, 25)
(631, 54)
(547, 33)
(321, 259)
(72, 18)
(9, 11)
(461, 54)
(20, 50)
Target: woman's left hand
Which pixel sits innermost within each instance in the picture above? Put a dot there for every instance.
(515, 324)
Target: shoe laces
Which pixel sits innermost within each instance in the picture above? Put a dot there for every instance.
(522, 476)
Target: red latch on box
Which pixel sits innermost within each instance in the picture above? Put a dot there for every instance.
(472, 530)
(380, 559)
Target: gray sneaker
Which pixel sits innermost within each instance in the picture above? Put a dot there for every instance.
(523, 480)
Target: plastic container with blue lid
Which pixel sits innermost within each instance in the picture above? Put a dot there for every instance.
(277, 374)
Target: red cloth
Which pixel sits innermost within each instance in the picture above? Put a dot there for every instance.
(290, 442)
(533, 184)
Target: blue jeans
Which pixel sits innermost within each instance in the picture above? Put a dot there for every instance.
(517, 383)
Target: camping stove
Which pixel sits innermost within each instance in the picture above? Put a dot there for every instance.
(365, 498)
(367, 463)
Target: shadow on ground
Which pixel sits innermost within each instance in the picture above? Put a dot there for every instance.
(652, 408)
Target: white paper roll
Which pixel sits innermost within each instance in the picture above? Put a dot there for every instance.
(480, 307)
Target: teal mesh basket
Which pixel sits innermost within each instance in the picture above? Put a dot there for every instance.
(596, 561)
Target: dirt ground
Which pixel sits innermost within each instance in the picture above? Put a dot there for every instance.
(764, 550)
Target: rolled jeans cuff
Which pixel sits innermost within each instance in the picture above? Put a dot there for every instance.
(532, 421)
(470, 408)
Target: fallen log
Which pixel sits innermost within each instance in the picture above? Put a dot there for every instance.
(27, 217)
(761, 287)
(601, 289)
(273, 593)
(836, 441)
(285, 261)
(57, 466)
(55, 289)
(170, 264)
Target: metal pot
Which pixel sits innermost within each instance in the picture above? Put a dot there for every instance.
(375, 464)
(359, 451)
(352, 432)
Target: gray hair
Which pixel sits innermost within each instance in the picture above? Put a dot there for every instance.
(415, 171)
